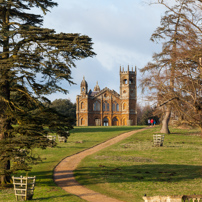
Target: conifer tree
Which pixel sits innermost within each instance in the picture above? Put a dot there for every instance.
(33, 62)
(65, 107)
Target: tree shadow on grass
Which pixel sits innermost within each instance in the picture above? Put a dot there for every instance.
(44, 178)
(50, 197)
(137, 173)
(105, 129)
(189, 133)
(143, 173)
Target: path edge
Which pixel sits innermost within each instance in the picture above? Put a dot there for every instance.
(53, 176)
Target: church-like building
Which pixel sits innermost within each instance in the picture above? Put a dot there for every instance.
(106, 107)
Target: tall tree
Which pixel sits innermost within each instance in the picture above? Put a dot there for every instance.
(189, 101)
(65, 107)
(33, 61)
(168, 71)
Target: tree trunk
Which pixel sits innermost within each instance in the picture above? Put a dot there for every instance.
(5, 178)
(165, 121)
(166, 118)
(5, 122)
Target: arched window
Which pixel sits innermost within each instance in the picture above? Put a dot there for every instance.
(82, 121)
(124, 106)
(96, 106)
(125, 81)
(105, 106)
(82, 105)
(114, 107)
(117, 107)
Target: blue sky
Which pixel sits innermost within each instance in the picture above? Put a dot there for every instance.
(120, 31)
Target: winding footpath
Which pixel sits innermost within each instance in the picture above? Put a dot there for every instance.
(63, 172)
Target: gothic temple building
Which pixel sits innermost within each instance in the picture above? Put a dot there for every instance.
(106, 107)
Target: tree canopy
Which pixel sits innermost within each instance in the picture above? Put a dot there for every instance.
(175, 77)
(65, 107)
(33, 62)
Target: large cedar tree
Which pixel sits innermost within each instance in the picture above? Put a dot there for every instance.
(33, 62)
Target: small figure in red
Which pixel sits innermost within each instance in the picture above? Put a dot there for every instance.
(152, 121)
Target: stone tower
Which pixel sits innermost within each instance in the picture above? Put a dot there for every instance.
(128, 95)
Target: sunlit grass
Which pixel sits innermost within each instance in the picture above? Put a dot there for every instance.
(80, 139)
(132, 168)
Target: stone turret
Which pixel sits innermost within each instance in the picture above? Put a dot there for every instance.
(97, 88)
(84, 86)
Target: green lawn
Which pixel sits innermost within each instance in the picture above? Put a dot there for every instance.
(133, 167)
(80, 139)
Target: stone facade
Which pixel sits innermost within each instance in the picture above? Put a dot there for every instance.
(106, 107)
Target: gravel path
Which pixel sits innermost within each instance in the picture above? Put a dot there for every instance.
(63, 172)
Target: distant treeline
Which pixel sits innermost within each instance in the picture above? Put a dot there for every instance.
(146, 112)
(65, 107)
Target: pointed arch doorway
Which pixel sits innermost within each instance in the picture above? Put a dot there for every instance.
(115, 121)
(105, 122)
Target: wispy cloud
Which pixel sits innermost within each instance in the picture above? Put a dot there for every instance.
(120, 31)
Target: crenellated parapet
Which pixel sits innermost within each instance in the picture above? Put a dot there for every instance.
(123, 71)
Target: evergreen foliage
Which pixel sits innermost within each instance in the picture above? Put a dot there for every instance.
(33, 62)
(65, 107)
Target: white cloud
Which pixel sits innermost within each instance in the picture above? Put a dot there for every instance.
(120, 31)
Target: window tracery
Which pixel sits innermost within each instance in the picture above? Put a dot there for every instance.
(105, 106)
(96, 106)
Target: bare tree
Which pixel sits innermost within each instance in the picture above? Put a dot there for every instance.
(173, 77)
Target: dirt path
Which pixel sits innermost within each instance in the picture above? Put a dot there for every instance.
(63, 172)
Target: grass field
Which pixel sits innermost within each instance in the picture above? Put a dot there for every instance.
(80, 139)
(132, 168)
